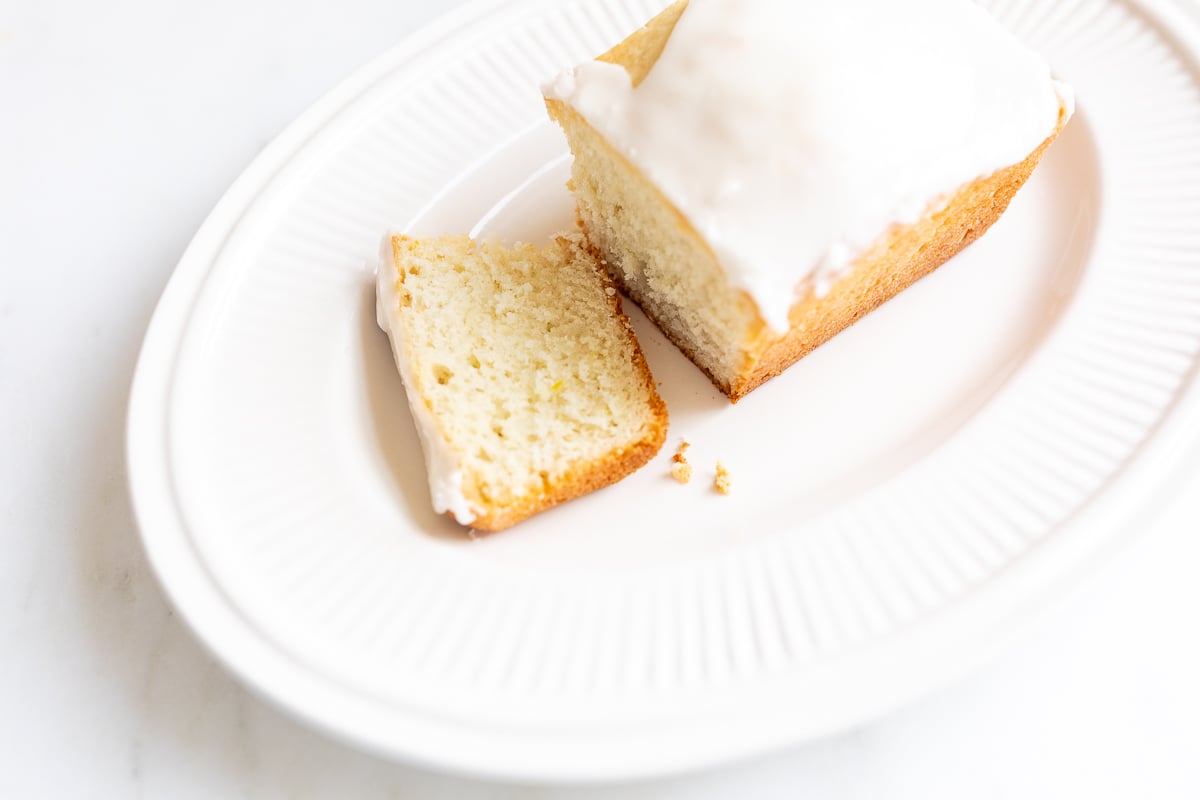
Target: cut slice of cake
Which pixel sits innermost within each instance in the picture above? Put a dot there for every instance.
(524, 377)
(759, 175)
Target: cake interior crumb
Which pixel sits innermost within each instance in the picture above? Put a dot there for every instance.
(721, 482)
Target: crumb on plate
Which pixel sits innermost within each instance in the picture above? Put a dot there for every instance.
(681, 470)
(721, 482)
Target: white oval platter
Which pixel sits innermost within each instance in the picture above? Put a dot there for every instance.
(902, 500)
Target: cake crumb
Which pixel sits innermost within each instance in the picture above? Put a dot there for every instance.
(681, 470)
(721, 482)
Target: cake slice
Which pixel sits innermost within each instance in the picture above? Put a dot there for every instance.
(524, 377)
(759, 175)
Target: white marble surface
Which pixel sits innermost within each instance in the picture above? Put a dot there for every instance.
(120, 125)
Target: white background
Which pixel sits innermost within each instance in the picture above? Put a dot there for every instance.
(121, 123)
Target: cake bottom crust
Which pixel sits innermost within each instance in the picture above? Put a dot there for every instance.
(586, 479)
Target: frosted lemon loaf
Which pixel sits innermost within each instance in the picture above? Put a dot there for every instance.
(758, 175)
(524, 377)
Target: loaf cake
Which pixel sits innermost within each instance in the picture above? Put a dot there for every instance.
(524, 377)
(759, 175)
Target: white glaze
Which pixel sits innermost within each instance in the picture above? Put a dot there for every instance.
(793, 134)
(441, 465)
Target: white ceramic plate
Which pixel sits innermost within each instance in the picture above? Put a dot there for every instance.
(902, 498)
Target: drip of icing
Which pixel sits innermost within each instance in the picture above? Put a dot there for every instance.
(441, 465)
(792, 134)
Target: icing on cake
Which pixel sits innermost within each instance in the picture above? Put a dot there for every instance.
(792, 135)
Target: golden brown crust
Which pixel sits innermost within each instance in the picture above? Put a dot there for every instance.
(639, 52)
(901, 259)
(586, 479)
(588, 476)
